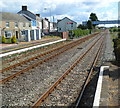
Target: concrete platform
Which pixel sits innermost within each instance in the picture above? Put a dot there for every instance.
(10, 47)
(13, 50)
(109, 91)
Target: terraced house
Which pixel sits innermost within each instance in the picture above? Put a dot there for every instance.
(36, 23)
(14, 24)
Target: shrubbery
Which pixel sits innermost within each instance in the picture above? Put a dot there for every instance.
(117, 48)
(114, 29)
(9, 40)
(3, 39)
(13, 39)
(78, 32)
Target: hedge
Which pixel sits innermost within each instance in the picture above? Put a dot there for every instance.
(79, 32)
(117, 48)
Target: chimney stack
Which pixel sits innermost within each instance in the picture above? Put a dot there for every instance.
(38, 15)
(46, 19)
(24, 8)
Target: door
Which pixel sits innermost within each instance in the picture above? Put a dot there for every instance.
(37, 34)
(17, 34)
(32, 34)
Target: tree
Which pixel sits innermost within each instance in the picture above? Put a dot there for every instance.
(89, 24)
(93, 17)
(80, 26)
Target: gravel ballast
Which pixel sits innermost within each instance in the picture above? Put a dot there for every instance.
(24, 89)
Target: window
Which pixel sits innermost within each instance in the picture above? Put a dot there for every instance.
(23, 24)
(16, 24)
(8, 34)
(29, 24)
(72, 25)
(23, 33)
(33, 23)
(7, 24)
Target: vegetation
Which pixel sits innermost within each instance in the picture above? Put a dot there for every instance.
(93, 17)
(13, 39)
(80, 26)
(9, 40)
(78, 32)
(114, 29)
(3, 39)
(116, 41)
(90, 26)
(50, 36)
(117, 48)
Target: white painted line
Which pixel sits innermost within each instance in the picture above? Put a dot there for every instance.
(25, 49)
(99, 87)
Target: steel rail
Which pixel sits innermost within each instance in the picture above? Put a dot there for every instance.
(80, 40)
(89, 75)
(46, 94)
(40, 62)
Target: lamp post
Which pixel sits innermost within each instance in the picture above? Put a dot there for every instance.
(50, 12)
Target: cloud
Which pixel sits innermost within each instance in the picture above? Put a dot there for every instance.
(78, 10)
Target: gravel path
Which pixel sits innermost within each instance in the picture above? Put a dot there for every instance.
(24, 89)
(113, 75)
(108, 54)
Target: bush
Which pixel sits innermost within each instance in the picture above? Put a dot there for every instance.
(8, 40)
(119, 35)
(117, 49)
(80, 32)
(3, 39)
(13, 39)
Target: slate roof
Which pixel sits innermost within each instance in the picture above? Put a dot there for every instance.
(28, 13)
(6, 16)
(68, 19)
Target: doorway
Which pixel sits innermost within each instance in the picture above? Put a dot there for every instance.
(17, 34)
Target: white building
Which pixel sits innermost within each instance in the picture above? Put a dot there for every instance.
(35, 33)
(45, 26)
(53, 27)
(66, 24)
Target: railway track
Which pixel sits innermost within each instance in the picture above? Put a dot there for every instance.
(7, 61)
(99, 44)
(15, 70)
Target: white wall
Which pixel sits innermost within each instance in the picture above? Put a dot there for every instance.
(45, 24)
(51, 27)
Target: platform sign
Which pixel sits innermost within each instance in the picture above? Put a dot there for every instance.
(69, 23)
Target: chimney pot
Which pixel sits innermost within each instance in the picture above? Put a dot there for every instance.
(24, 8)
(38, 15)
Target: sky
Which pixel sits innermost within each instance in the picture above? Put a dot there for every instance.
(77, 10)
